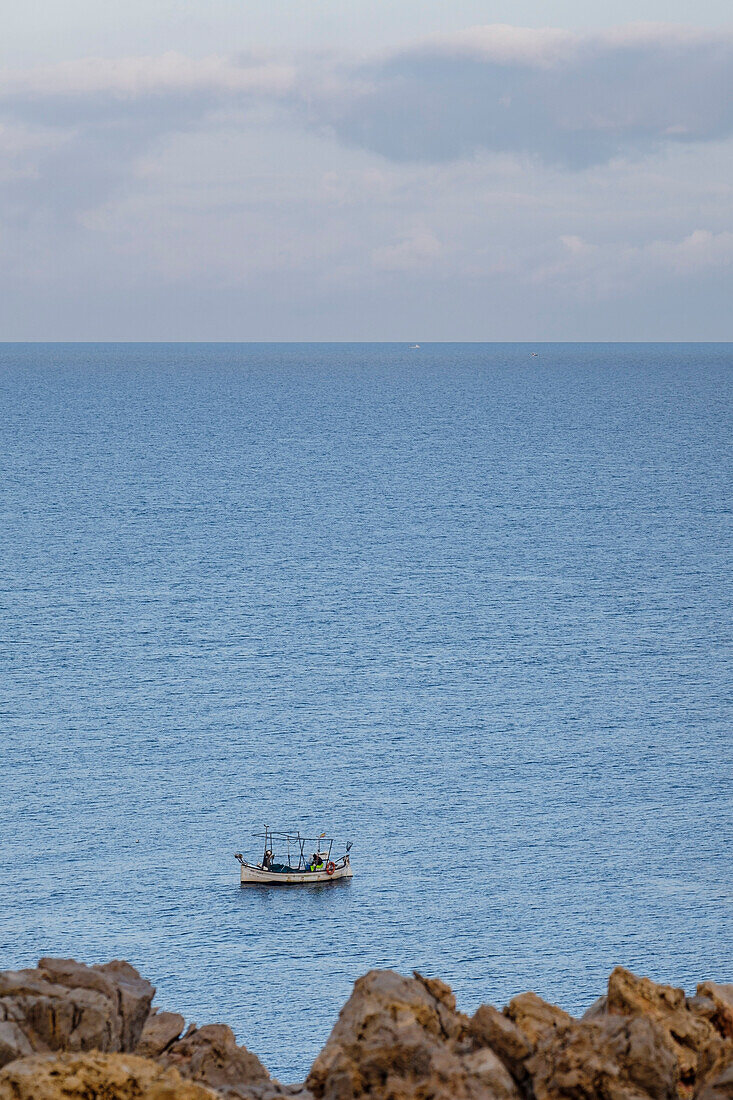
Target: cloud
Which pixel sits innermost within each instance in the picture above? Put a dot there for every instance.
(442, 178)
(414, 252)
(568, 99)
(614, 268)
(134, 78)
(565, 98)
(89, 121)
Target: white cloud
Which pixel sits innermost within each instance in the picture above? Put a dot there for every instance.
(701, 250)
(413, 252)
(504, 44)
(614, 268)
(337, 187)
(138, 77)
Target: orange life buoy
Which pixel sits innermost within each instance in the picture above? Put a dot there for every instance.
(330, 867)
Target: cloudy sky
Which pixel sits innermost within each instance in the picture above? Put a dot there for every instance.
(366, 170)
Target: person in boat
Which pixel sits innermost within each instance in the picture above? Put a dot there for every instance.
(267, 860)
(316, 862)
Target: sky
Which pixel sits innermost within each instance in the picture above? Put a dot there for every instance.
(365, 170)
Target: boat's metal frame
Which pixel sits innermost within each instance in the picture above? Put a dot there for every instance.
(300, 874)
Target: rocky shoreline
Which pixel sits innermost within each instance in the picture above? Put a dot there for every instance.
(84, 1032)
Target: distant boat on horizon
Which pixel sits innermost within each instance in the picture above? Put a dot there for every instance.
(413, 347)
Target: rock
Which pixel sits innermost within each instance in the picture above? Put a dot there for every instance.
(134, 995)
(160, 1031)
(65, 1005)
(13, 1042)
(396, 1038)
(484, 1068)
(718, 1085)
(400, 1038)
(695, 1029)
(533, 1016)
(491, 1028)
(714, 1003)
(720, 998)
(95, 1075)
(610, 1059)
(597, 1010)
(211, 1056)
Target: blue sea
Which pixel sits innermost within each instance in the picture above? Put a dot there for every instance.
(465, 606)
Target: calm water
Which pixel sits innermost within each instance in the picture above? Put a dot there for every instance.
(466, 607)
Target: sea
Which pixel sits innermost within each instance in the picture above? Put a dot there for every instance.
(467, 606)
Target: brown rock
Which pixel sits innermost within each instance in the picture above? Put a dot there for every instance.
(64, 1005)
(695, 1029)
(718, 1085)
(96, 1076)
(491, 1028)
(720, 998)
(134, 998)
(597, 1010)
(611, 1059)
(400, 1038)
(714, 1003)
(534, 1017)
(210, 1055)
(160, 1031)
(13, 1042)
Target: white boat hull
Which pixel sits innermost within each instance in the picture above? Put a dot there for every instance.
(255, 876)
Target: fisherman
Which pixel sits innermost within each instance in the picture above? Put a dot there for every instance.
(316, 862)
(267, 860)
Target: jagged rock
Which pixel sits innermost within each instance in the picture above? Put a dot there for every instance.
(400, 1038)
(134, 995)
(718, 1085)
(716, 1002)
(65, 1005)
(533, 1016)
(95, 1075)
(526, 1025)
(695, 1029)
(396, 1038)
(160, 1031)
(597, 1010)
(491, 1028)
(610, 1059)
(211, 1056)
(13, 1041)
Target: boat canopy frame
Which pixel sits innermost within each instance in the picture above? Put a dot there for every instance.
(299, 842)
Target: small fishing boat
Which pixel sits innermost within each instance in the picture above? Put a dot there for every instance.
(294, 866)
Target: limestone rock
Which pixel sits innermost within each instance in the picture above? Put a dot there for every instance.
(533, 1016)
(95, 1075)
(397, 1038)
(718, 1085)
(491, 1028)
(160, 1031)
(716, 1002)
(65, 1005)
(400, 1038)
(610, 1059)
(134, 996)
(695, 1029)
(13, 1041)
(211, 1056)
